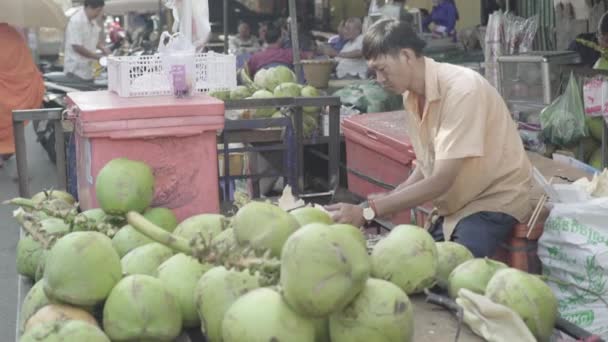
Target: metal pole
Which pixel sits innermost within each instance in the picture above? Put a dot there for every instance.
(21, 156)
(60, 159)
(334, 147)
(295, 43)
(226, 26)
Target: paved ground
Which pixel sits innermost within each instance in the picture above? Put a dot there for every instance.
(43, 175)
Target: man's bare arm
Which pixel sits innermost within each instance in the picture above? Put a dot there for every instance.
(351, 54)
(415, 177)
(419, 192)
(81, 50)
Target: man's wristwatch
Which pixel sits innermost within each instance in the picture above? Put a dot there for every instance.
(369, 212)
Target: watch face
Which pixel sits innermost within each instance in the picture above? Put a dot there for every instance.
(368, 214)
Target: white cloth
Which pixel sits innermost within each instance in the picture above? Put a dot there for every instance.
(80, 31)
(352, 66)
(493, 322)
(374, 9)
(392, 11)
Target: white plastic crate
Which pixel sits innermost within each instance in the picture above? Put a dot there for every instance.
(132, 76)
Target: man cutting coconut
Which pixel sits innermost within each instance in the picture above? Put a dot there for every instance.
(470, 162)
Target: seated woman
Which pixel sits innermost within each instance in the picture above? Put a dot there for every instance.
(443, 17)
(590, 56)
(21, 85)
(274, 53)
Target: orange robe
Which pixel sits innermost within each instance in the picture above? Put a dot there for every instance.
(21, 83)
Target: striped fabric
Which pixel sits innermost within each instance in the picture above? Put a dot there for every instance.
(545, 37)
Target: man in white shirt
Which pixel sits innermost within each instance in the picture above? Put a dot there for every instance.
(82, 37)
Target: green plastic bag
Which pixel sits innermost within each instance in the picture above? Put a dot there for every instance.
(563, 121)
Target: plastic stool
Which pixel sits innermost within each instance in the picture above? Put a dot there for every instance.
(521, 252)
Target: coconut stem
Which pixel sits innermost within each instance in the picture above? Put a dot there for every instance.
(48, 207)
(29, 224)
(565, 283)
(156, 233)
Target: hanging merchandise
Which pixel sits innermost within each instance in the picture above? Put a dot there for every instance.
(563, 121)
(178, 51)
(192, 19)
(178, 55)
(595, 94)
(493, 47)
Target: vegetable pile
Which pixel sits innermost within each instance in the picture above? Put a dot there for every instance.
(132, 273)
(273, 82)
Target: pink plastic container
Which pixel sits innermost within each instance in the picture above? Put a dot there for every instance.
(176, 137)
(377, 145)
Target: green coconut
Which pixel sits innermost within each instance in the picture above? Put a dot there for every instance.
(93, 216)
(180, 275)
(225, 239)
(215, 292)
(595, 159)
(140, 307)
(596, 127)
(287, 89)
(33, 301)
(205, 225)
(310, 91)
(322, 333)
(450, 255)
(54, 194)
(322, 270)
(162, 217)
(262, 112)
(407, 257)
(41, 264)
(30, 253)
(308, 215)
(128, 238)
(473, 275)
(530, 297)
(62, 331)
(353, 231)
(240, 92)
(382, 312)
(263, 226)
(124, 185)
(223, 95)
(261, 316)
(145, 259)
(81, 269)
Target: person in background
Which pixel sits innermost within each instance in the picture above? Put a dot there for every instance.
(274, 53)
(589, 56)
(305, 38)
(350, 60)
(244, 42)
(470, 160)
(82, 37)
(262, 28)
(444, 16)
(338, 41)
(21, 85)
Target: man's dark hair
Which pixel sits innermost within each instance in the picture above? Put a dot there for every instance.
(94, 3)
(273, 33)
(603, 25)
(388, 36)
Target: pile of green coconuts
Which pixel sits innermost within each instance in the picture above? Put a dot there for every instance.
(129, 272)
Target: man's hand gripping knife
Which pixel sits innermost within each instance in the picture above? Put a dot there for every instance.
(415, 191)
